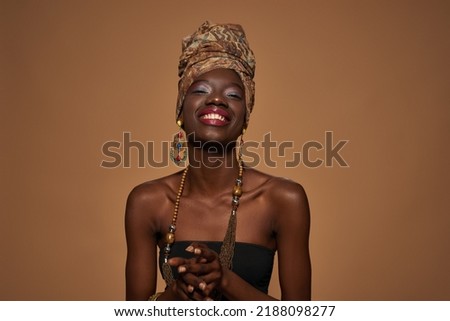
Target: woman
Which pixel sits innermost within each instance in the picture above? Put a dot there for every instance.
(217, 223)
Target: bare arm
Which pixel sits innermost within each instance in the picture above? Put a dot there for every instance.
(294, 264)
(141, 228)
(141, 247)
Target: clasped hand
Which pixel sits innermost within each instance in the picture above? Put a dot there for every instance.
(198, 277)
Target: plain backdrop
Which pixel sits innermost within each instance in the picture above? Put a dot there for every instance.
(77, 74)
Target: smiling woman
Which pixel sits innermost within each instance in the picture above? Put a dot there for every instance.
(218, 222)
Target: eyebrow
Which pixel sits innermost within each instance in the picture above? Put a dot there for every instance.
(238, 85)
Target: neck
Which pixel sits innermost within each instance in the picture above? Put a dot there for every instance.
(213, 168)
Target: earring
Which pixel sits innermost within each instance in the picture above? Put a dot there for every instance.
(178, 152)
(241, 143)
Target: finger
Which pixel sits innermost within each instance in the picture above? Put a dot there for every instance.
(197, 296)
(193, 282)
(178, 261)
(180, 289)
(202, 250)
(190, 291)
(197, 268)
(186, 291)
(208, 271)
(204, 284)
(210, 290)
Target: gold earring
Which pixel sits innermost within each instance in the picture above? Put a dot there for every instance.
(178, 152)
(241, 143)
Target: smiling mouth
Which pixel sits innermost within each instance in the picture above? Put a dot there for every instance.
(213, 116)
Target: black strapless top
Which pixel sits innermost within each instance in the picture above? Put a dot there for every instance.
(251, 262)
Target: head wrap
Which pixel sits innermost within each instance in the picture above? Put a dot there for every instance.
(215, 46)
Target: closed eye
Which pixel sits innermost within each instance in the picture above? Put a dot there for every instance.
(235, 95)
(199, 88)
(199, 91)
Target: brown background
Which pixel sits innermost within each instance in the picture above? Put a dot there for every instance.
(76, 74)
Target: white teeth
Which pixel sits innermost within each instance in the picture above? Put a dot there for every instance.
(213, 116)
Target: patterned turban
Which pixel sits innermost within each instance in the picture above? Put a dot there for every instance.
(215, 46)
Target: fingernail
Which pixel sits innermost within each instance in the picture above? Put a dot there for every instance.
(190, 248)
(181, 269)
(190, 288)
(202, 286)
(209, 299)
(197, 251)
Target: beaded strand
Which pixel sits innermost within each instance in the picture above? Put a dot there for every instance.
(170, 236)
(227, 248)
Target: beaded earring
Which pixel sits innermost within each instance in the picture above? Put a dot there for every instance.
(241, 144)
(178, 152)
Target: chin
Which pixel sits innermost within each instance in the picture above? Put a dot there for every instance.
(211, 140)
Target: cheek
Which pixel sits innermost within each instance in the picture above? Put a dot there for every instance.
(241, 113)
(188, 117)
(188, 103)
(188, 108)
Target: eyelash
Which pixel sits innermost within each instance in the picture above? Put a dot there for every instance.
(200, 91)
(234, 95)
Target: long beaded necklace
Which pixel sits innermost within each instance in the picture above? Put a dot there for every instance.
(227, 248)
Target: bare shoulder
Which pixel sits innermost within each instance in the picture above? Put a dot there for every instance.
(286, 201)
(152, 197)
(278, 189)
(149, 190)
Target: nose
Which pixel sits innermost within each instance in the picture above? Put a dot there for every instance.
(217, 100)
